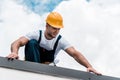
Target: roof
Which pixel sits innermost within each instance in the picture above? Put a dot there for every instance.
(38, 68)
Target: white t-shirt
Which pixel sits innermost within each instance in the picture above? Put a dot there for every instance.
(48, 44)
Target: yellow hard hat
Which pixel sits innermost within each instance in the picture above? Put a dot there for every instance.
(55, 20)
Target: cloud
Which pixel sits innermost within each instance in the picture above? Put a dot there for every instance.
(16, 19)
(93, 28)
(15, 23)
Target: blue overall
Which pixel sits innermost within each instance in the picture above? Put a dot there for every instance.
(35, 53)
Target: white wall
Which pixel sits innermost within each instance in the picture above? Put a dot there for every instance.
(11, 74)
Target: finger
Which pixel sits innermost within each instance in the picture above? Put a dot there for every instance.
(93, 71)
(97, 73)
(17, 57)
(8, 58)
(11, 57)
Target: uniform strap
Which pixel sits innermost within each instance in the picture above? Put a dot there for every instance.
(56, 43)
(40, 36)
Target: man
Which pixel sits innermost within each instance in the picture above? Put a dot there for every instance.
(42, 46)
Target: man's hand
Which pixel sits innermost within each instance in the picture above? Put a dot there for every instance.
(90, 69)
(12, 56)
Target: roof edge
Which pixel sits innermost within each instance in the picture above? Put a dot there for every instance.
(51, 70)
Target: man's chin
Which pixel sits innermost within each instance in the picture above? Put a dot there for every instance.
(54, 36)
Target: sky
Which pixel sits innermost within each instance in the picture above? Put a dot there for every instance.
(91, 26)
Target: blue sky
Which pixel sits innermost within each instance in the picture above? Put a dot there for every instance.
(40, 7)
(95, 22)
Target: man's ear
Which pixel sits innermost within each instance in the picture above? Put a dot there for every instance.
(47, 25)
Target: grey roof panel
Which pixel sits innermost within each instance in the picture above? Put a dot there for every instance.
(51, 70)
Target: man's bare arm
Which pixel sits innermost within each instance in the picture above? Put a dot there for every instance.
(81, 59)
(15, 47)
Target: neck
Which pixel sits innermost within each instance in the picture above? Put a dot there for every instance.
(47, 36)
